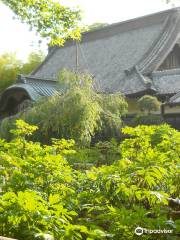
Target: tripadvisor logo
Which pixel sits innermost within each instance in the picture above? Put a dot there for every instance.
(139, 231)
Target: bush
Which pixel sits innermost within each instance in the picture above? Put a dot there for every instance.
(42, 196)
(148, 104)
(137, 190)
(102, 153)
(38, 189)
(141, 119)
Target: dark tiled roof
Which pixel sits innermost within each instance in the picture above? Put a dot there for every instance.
(106, 58)
(36, 87)
(167, 82)
(175, 100)
(43, 88)
(33, 94)
(133, 80)
(109, 53)
(28, 89)
(33, 87)
(122, 57)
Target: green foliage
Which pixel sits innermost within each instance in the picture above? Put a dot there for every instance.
(11, 66)
(42, 196)
(49, 18)
(79, 113)
(33, 61)
(102, 153)
(148, 104)
(135, 190)
(5, 127)
(72, 115)
(141, 119)
(94, 26)
(113, 107)
(23, 129)
(36, 189)
(97, 25)
(69, 80)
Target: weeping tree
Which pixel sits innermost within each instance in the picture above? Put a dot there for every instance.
(77, 113)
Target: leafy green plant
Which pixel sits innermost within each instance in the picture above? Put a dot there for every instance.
(102, 153)
(42, 196)
(136, 190)
(37, 188)
(148, 104)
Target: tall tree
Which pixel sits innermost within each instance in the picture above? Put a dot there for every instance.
(48, 17)
(10, 66)
(33, 61)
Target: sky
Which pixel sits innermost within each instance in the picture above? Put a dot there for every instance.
(16, 37)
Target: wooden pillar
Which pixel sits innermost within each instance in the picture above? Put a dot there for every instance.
(162, 109)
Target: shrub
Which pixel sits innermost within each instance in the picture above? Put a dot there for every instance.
(41, 195)
(38, 189)
(148, 104)
(102, 153)
(137, 190)
(141, 119)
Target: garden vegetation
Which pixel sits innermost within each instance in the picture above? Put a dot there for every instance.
(76, 112)
(44, 196)
(11, 66)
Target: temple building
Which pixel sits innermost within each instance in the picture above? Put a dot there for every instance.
(135, 57)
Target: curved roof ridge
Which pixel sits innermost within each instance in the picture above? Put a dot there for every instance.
(174, 100)
(162, 46)
(175, 71)
(144, 79)
(177, 95)
(32, 77)
(30, 91)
